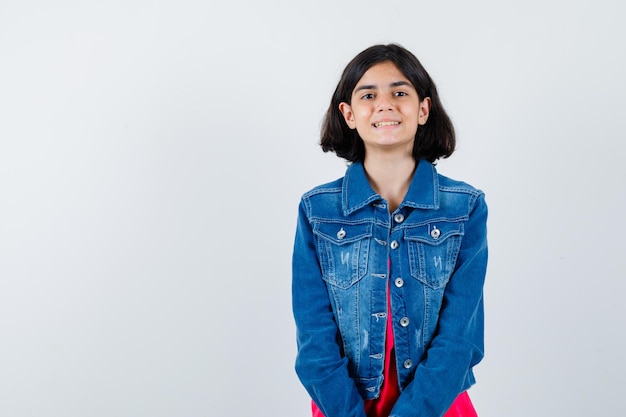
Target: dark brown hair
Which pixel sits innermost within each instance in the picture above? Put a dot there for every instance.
(433, 140)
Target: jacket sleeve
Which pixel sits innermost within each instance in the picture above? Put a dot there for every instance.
(321, 367)
(458, 343)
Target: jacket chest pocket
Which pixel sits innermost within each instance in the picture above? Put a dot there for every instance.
(343, 251)
(433, 249)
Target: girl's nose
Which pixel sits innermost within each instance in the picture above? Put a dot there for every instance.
(384, 103)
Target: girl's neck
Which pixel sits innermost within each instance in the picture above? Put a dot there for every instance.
(390, 176)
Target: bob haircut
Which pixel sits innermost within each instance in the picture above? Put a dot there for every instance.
(433, 140)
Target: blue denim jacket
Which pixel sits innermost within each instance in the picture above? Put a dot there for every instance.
(437, 243)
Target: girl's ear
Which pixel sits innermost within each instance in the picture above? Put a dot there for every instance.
(346, 110)
(424, 111)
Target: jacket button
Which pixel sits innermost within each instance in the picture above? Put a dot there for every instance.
(404, 321)
(399, 218)
(394, 245)
(435, 233)
(399, 282)
(408, 363)
(341, 234)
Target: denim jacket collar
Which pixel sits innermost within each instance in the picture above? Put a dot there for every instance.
(422, 193)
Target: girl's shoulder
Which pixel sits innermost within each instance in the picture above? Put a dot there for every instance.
(334, 186)
(454, 185)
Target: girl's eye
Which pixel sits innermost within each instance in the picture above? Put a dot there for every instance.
(368, 96)
(400, 93)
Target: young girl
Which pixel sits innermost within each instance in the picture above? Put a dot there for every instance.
(389, 261)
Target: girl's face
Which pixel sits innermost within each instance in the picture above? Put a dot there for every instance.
(385, 109)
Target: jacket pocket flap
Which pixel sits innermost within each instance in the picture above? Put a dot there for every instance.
(341, 233)
(434, 233)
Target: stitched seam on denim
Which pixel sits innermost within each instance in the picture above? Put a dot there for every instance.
(321, 190)
(341, 221)
(463, 190)
(460, 231)
(307, 208)
(409, 224)
(373, 221)
(471, 204)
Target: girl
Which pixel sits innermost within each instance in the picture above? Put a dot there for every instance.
(389, 261)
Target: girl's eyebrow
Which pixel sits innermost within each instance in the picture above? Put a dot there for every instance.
(373, 87)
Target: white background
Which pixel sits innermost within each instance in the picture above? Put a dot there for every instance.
(152, 156)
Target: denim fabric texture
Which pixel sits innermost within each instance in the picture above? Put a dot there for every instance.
(437, 243)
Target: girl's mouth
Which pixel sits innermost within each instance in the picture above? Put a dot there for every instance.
(383, 124)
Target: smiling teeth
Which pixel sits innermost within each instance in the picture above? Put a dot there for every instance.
(381, 124)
